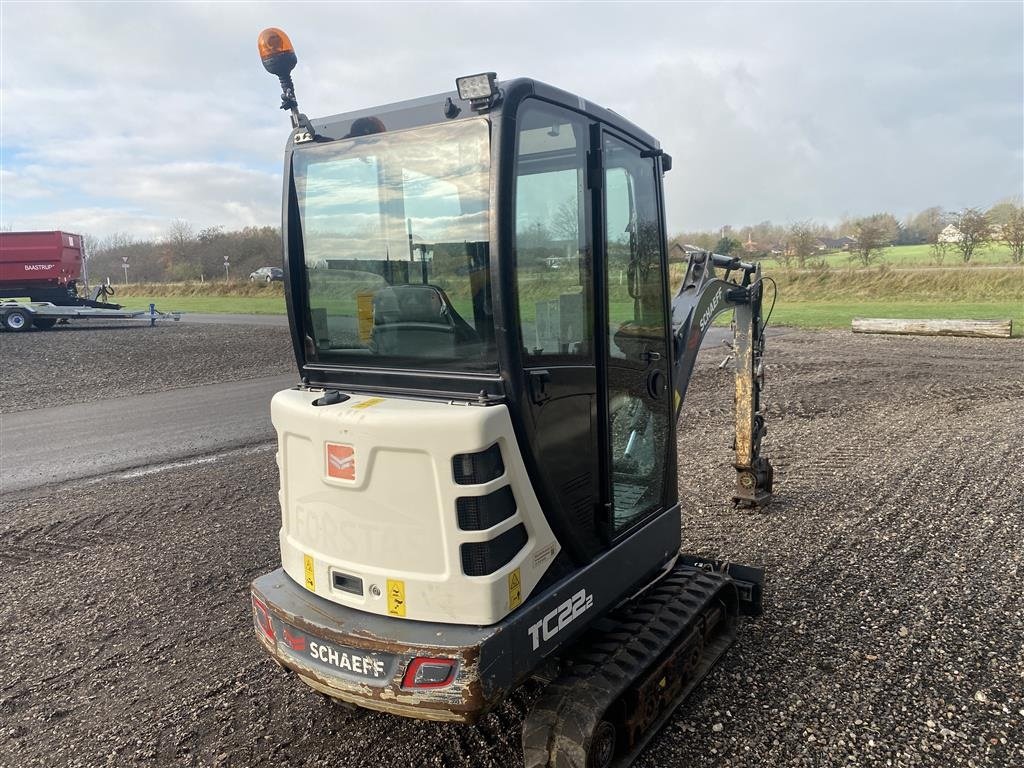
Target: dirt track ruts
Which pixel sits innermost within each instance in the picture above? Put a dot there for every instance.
(892, 633)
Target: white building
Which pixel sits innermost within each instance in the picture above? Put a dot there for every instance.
(950, 235)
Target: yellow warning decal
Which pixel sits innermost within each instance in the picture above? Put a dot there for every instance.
(369, 403)
(396, 597)
(364, 313)
(515, 589)
(310, 577)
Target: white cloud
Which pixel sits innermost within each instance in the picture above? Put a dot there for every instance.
(130, 115)
(95, 221)
(24, 184)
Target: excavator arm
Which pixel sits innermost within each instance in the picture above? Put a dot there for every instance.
(714, 284)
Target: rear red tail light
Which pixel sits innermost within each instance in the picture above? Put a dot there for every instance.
(429, 673)
(261, 617)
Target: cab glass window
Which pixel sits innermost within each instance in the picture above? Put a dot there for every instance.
(639, 403)
(552, 238)
(395, 235)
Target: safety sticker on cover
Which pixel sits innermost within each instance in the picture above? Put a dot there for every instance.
(396, 597)
(369, 403)
(515, 589)
(364, 313)
(310, 576)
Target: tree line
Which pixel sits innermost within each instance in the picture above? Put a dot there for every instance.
(865, 238)
(184, 254)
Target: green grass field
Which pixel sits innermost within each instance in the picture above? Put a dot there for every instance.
(832, 298)
(820, 298)
(913, 256)
(242, 305)
(242, 298)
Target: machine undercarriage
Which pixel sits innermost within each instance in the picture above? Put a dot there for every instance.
(627, 675)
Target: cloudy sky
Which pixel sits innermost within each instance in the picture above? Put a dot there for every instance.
(122, 117)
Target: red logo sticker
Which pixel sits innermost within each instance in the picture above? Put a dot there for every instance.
(341, 461)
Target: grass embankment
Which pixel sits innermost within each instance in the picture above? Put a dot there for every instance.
(213, 297)
(820, 298)
(831, 298)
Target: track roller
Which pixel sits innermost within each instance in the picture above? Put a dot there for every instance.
(628, 674)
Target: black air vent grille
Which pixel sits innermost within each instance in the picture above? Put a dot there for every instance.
(477, 468)
(583, 512)
(579, 484)
(478, 513)
(481, 558)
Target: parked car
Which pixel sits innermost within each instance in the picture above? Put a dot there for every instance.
(267, 275)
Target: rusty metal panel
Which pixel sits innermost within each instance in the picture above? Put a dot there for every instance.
(323, 642)
(491, 659)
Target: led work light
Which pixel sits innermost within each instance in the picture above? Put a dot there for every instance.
(479, 90)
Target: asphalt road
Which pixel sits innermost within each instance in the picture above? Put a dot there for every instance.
(47, 446)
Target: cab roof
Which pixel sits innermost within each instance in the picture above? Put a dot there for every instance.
(427, 110)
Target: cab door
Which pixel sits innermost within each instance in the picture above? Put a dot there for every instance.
(636, 408)
(556, 307)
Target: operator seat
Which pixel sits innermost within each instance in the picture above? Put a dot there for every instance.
(417, 320)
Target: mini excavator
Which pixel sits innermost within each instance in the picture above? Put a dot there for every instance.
(478, 463)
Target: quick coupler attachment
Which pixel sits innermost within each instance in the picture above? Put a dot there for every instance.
(754, 484)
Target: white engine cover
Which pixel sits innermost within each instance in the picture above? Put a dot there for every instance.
(386, 513)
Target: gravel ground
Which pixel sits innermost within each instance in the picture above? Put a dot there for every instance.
(96, 360)
(892, 634)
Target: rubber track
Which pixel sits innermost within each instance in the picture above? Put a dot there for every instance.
(603, 665)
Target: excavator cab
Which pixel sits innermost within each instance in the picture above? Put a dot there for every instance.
(478, 463)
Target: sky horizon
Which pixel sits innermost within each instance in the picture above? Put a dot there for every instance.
(125, 117)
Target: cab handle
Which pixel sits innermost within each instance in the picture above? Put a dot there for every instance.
(538, 381)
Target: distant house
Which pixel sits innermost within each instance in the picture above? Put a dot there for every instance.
(681, 252)
(835, 243)
(950, 235)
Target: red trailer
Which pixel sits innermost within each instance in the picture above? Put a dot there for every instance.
(45, 266)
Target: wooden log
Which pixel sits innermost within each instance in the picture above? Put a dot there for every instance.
(988, 329)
